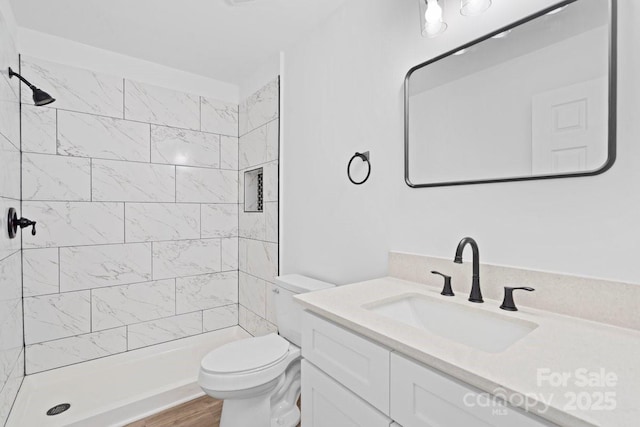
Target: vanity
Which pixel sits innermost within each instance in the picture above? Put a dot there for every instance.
(391, 352)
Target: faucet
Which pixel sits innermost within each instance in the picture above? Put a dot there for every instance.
(476, 294)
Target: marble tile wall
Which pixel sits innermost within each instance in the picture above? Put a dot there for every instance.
(11, 330)
(258, 231)
(135, 190)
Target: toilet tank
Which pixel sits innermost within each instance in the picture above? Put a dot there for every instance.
(288, 312)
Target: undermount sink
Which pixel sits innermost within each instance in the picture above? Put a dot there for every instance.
(470, 326)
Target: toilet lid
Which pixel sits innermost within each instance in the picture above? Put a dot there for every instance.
(246, 355)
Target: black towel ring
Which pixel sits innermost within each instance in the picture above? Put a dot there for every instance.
(365, 158)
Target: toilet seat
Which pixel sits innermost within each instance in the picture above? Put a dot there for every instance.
(246, 364)
(246, 355)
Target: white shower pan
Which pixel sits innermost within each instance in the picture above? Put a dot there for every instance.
(119, 389)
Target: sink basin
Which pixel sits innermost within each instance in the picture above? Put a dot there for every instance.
(470, 326)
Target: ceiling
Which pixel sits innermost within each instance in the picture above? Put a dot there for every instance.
(207, 37)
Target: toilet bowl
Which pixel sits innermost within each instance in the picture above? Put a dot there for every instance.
(259, 378)
(253, 376)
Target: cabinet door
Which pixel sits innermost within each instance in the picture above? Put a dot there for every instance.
(424, 397)
(355, 362)
(325, 403)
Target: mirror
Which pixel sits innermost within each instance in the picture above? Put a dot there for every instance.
(533, 100)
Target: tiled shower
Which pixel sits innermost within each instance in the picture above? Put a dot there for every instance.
(11, 342)
(142, 237)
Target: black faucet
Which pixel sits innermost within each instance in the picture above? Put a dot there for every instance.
(507, 302)
(447, 290)
(476, 294)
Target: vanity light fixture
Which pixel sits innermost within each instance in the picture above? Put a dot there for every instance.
(474, 7)
(432, 21)
(433, 24)
(40, 97)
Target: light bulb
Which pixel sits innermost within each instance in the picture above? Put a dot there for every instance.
(434, 24)
(474, 7)
(433, 15)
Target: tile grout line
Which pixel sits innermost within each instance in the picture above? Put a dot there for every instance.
(59, 273)
(121, 201)
(124, 222)
(136, 243)
(90, 310)
(21, 246)
(124, 96)
(139, 162)
(116, 117)
(146, 282)
(57, 131)
(238, 207)
(90, 179)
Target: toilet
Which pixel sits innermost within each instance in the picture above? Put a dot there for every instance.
(259, 378)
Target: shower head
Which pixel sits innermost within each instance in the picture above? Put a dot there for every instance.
(40, 97)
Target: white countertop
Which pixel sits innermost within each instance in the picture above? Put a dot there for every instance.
(560, 344)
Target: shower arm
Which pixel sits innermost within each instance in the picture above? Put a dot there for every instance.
(25, 81)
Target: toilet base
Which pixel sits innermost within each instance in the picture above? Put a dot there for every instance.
(275, 407)
(254, 412)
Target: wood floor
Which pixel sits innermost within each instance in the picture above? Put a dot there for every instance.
(202, 412)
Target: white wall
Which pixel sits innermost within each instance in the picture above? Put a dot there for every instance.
(259, 77)
(67, 52)
(344, 93)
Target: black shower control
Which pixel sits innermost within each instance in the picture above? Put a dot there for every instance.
(13, 223)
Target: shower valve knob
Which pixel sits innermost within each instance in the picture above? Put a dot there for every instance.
(13, 223)
(24, 222)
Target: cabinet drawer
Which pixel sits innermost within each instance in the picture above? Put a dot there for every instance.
(424, 397)
(325, 403)
(355, 362)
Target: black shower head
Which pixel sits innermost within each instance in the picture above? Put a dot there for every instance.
(40, 97)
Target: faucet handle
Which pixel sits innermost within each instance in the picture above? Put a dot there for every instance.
(447, 291)
(507, 302)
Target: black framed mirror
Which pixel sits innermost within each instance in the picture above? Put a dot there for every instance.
(533, 100)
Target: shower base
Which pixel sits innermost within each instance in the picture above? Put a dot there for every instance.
(120, 389)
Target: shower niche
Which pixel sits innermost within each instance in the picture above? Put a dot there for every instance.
(253, 189)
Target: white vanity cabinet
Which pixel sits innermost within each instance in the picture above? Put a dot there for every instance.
(424, 397)
(349, 380)
(326, 403)
(355, 362)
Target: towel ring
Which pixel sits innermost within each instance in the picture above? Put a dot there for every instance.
(365, 158)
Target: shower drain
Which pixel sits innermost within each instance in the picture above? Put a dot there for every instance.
(58, 409)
